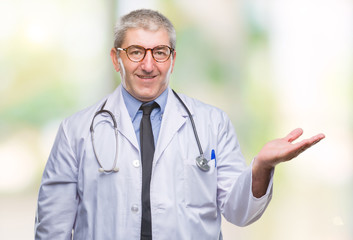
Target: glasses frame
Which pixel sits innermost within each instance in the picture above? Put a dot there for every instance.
(147, 49)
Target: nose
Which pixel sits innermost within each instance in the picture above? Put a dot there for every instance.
(147, 64)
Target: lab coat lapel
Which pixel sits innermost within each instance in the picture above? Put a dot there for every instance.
(174, 117)
(116, 105)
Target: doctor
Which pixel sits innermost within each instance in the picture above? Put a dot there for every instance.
(85, 194)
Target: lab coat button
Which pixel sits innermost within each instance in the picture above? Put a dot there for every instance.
(134, 208)
(136, 163)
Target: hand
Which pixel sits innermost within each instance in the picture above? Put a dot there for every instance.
(277, 151)
(282, 149)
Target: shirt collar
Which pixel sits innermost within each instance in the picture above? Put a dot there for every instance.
(133, 104)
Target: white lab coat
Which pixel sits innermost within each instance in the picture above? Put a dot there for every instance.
(186, 203)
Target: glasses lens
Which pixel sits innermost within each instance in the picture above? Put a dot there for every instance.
(135, 53)
(161, 53)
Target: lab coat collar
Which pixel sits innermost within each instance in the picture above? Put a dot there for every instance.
(115, 104)
(174, 118)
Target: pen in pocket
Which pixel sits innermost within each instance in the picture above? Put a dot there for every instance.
(213, 157)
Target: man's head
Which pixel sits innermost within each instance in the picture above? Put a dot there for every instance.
(145, 19)
(148, 77)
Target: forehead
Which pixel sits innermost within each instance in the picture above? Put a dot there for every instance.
(146, 38)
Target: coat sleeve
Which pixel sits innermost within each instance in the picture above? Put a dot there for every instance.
(57, 198)
(234, 191)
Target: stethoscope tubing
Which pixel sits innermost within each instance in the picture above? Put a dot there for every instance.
(192, 123)
(114, 167)
(201, 162)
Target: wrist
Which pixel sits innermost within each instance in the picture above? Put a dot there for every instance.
(261, 176)
(260, 165)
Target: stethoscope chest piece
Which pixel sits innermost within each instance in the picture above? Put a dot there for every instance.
(202, 163)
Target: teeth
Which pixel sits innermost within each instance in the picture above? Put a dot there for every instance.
(146, 77)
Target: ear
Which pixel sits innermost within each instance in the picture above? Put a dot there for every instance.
(114, 57)
(174, 56)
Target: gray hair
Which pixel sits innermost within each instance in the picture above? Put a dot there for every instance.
(145, 19)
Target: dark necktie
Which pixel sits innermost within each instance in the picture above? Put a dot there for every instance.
(147, 152)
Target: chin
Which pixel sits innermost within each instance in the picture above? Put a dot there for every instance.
(145, 95)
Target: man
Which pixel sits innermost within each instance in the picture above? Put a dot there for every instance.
(155, 188)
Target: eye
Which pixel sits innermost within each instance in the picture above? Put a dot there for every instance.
(161, 51)
(135, 51)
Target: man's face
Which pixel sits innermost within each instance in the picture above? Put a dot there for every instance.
(147, 79)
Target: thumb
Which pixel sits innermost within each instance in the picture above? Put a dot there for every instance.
(293, 135)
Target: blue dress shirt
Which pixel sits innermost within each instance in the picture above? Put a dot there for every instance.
(133, 105)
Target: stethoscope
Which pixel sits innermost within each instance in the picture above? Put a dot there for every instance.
(201, 161)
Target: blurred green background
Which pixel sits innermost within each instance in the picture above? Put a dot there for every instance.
(270, 65)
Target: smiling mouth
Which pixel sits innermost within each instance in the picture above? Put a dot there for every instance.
(146, 76)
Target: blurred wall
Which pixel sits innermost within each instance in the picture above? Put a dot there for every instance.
(270, 65)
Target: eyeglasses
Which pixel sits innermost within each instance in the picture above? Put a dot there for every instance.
(137, 53)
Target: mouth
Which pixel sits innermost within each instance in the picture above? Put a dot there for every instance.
(146, 77)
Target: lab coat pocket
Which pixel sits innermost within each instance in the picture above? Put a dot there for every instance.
(200, 186)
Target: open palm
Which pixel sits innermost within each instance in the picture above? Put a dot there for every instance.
(283, 149)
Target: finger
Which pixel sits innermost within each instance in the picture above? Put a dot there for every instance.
(307, 143)
(294, 135)
(319, 137)
(304, 144)
(315, 139)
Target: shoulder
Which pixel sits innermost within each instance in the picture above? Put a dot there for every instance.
(200, 108)
(78, 124)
